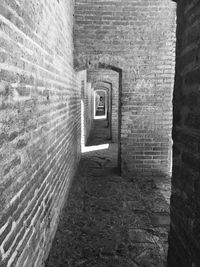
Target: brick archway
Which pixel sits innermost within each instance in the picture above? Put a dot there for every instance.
(94, 65)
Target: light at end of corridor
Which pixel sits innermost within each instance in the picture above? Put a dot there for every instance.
(94, 148)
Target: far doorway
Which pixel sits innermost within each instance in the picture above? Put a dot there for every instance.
(100, 104)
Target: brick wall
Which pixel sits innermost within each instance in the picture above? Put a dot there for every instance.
(39, 125)
(89, 108)
(137, 37)
(97, 77)
(87, 105)
(184, 242)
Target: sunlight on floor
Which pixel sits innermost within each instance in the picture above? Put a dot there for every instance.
(100, 117)
(94, 148)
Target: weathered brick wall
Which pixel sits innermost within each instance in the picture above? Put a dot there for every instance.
(184, 242)
(87, 105)
(111, 78)
(137, 37)
(39, 125)
(89, 108)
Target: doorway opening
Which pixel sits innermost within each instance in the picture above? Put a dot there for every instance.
(103, 98)
(100, 104)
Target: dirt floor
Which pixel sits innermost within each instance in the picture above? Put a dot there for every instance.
(110, 221)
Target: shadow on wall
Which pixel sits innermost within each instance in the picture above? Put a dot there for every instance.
(152, 158)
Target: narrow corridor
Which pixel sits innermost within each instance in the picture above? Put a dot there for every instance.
(65, 65)
(110, 221)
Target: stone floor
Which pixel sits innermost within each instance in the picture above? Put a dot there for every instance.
(110, 221)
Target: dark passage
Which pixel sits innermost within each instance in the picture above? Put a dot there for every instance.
(100, 111)
(109, 221)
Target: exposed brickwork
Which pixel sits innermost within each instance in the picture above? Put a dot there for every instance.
(40, 125)
(87, 104)
(112, 79)
(137, 37)
(184, 242)
(89, 107)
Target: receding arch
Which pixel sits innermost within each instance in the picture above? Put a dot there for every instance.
(85, 62)
(95, 65)
(101, 96)
(100, 84)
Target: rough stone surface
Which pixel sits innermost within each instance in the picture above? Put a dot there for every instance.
(108, 220)
(184, 241)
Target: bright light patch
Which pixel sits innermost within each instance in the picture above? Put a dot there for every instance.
(99, 117)
(94, 148)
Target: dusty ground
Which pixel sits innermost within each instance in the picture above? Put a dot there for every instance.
(110, 221)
